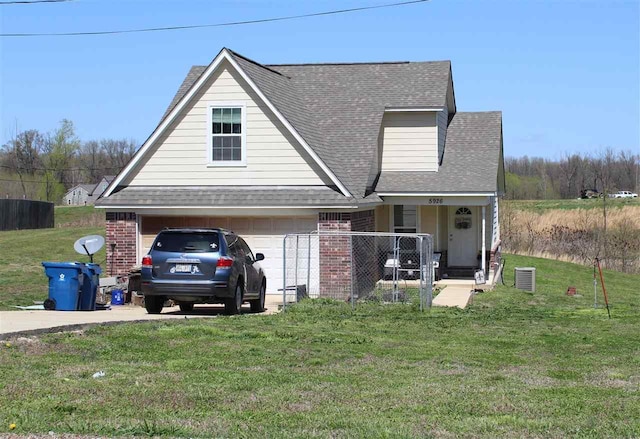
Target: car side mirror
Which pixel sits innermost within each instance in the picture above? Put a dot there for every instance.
(259, 257)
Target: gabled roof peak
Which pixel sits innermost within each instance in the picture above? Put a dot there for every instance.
(252, 61)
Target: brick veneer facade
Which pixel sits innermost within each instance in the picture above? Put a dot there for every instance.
(121, 230)
(364, 221)
(336, 251)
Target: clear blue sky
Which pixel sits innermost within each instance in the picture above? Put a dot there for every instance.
(566, 74)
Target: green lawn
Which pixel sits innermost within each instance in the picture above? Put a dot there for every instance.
(22, 278)
(543, 205)
(73, 216)
(514, 364)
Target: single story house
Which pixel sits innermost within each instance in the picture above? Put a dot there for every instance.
(267, 150)
(84, 194)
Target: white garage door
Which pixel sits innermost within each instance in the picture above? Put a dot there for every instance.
(263, 234)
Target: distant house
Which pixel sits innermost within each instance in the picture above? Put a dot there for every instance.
(86, 194)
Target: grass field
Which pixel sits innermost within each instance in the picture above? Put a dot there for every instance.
(79, 216)
(540, 206)
(22, 278)
(574, 230)
(514, 364)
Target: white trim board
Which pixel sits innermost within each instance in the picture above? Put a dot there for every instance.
(435, 200)
(247, 212)
(436, 194)
(411, 109)
(211, 68)
(134, 207)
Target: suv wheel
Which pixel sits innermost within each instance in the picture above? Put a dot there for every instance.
(233, 304)
(186, 307)
(258, 304)
(154, 304)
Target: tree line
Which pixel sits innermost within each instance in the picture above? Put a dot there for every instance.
(531, 178)
(44, 165)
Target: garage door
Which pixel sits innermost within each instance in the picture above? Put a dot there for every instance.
(263, 234)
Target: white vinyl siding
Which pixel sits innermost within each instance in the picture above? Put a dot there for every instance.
(181, 157)
(443, 120)
(409, 141)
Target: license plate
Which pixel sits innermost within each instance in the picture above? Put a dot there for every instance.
(183, 268)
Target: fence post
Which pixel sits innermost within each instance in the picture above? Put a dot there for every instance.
(295, 276)
(430, 276)
(353, 302)
(309, 266)
(396, 265)
(284, 273)
(422, 272)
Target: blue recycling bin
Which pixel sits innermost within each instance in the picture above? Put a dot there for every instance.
(65, 281)
(90, 283)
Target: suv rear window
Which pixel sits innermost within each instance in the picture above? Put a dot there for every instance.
(191, 242)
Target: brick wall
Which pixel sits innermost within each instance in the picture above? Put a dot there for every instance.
(363, 221)
(335, 255)
(121, 230)
(336, 251)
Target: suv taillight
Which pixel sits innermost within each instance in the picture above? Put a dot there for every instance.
(147, 262)
(224, 262)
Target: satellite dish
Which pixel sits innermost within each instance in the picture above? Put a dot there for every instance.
(89, 245)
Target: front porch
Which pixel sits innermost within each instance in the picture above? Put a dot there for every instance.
(465, 230)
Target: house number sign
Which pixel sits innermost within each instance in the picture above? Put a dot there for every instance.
(436, 201)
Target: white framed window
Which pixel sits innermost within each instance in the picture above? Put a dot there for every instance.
(226, 133)
(405, 218)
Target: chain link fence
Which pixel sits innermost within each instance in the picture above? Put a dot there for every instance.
(358, 266)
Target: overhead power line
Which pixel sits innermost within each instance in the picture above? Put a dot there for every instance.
(200, 26)
(26, 2)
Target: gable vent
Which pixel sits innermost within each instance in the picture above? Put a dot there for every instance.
(525, 278)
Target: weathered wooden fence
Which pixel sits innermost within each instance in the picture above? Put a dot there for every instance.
(25, 214)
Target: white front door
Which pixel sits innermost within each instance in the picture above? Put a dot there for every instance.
(463, 237)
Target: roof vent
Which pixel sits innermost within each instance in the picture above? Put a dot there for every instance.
(525, 278)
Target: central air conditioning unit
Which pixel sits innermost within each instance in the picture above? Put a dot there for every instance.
(525, 278)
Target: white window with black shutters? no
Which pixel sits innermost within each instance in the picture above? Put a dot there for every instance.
(405, 219)
(227, 135)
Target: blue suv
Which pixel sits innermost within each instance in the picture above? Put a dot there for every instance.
(193, 266)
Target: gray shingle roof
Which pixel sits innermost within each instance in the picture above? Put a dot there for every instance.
(338, 116)
(162, 196)
(192, 77)
(338, 109)
(470, 161)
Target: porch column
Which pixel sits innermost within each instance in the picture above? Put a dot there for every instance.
(483, 257)
(121, 239)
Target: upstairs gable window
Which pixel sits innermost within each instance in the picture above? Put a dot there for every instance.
(227, 145)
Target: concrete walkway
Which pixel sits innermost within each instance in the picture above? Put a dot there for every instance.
(455, 293)
(12, 322)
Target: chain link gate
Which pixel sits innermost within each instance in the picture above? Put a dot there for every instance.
(358, 266)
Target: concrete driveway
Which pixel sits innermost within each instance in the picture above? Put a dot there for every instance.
(34, 322)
